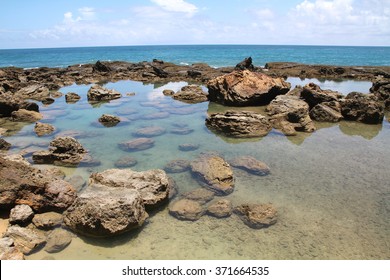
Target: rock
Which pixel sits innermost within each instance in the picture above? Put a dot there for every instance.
(72, 97)
(153, 185)
(200, 195)
(191, 94)
(257, 215)
(290, 114)
(47, 220)
(381, 89)
(185, 209)
(251, 165)
(314, 95)
(9, 103)
(109, 120)
(99, 93)
(21, 214)
(101, 67)
(42, 129)
(23, 115)
(194, 73)
(25, 239)
(221, 208)
(159, 72)
(156, 116)
(77, 182)
(245, 64)
(181, 130)
(365, 108)
(168, 92)
(58, 240)
(35, 91)
(149, 131)
(324, 113)
(23, 184)
(8, 251)
(188, 147)
(214, 173)
(245, 88)
(4, 145)
(237, 124)
(125, 162)
(56, 94)
(177, 166)
(138, 144)
(104, 212)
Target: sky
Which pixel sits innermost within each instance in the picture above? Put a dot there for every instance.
(74, 23)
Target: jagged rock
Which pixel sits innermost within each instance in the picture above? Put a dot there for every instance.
(314, 95)
(257, 215)
(325, 112)
(177, 166)
(191, 94)
(101, 67)
(138, 144)
(9, 103)
(23, 115)
(25, 239)
(125, 162)
(251, 165)
(4, 145)
(221, 208)
(365, 108)
(200, 195)
(72, 97)
(245, 64)
(99, 93)
(214, 173)
(186, 209)
(58, 240)
(290, 114)
(381, 89)
(21, 214)
(245, 88)
(47, 220)
(42, 129)
(35, 91)
(8, 251)
(109, 120)
(103, 212)
(188, 147)
(149, 131)
(153, 185)
(237, 124)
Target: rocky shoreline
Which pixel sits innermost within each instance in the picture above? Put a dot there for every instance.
(44, 208)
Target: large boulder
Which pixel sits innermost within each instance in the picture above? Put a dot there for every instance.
(251, 165)
(214, 173)
(314, 95)
(23, 184)
(103, 212)
(365, 108)
(191, 94)
(290, 114)
(245, 88)
(257, 215)
(153, 185)
(99, 93)
(186, 209)
(239, 124)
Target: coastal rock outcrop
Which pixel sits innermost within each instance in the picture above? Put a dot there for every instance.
(245, 88)
(99, 93)
(186, 209)
(239, 124)
(257, 215)
(213, 173)
(191, 94)
(251, 165)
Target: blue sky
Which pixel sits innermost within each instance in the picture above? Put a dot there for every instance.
(67, 23)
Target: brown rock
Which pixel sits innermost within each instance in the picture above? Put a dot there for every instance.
(221, 208)
(8, 251)
(23, 115)
(200, 195)
(324, 113)
(381, 89)
(99, 93)
(72, 97)
(109, 120)
(4, 145)
(125, 162)
(185, 209)
(25, 239)
(251, 165)
(21, 214)
(257, 215)
(48, 220)
(149, 131)
(314, 95)
(191, 94)
(177, 166)
(42, 129)
(138, 144)
(58, 240)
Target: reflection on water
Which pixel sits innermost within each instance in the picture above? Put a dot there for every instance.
(330, 187)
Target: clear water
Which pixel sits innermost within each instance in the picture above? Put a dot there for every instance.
(331, 187)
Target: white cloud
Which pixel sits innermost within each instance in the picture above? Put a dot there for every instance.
(177, 6)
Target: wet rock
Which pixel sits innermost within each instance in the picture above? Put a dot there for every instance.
(53, 172)
(109, 120)
(104, 212)
(214, 173)
(181, 130)
(149, 131)
(153, 185)
(58, 240)
(138, 144)
(188, 147)
(42, 129)
(290, 114)
(245, 64)
(125, 162)
(56, 94)
(325, 112)
(25, 239)
(314, 95)
(99, 93)
(221, 208)
(381, 89)
(168, 92)
(191, 94)
(21, 215)
(257, 215)
(4, 145)
(72, 97)
(185, 209)
(245, 88)
(177, 166)
(77, 182)
(365, 108)
(200, 195)
(23, 115)
(35, 91)
(47, 220)
(251, 165)
(194, 73)
(8, 251)
(101, 67)
(237, 124)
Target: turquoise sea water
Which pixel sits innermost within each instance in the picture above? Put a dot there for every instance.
(214, 55)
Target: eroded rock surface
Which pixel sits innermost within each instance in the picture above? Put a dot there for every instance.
(257, 215)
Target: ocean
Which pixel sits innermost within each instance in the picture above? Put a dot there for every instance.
(214, 55)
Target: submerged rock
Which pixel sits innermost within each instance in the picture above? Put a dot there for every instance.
(257, 215)
(42, 129)
(200, 195)
(251, 165)
(138, 144)
(186, 209)
(177, 166)
(187, 147)
(149, 131)
(125, 162)
(99, 93)
(221, 208)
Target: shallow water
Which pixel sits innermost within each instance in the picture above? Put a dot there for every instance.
(331, 187)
